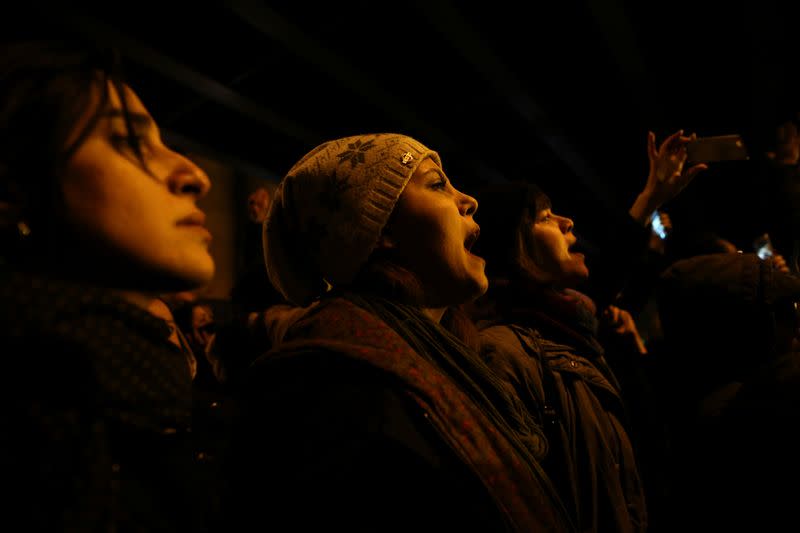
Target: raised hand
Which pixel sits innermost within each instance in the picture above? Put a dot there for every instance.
(779, 263)
(667, 176)
(620, 322)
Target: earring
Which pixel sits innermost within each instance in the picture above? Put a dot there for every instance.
(23, 228)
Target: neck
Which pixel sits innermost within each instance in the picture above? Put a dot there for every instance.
(434, 314)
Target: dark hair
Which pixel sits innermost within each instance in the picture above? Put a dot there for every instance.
(46, 90)
(507, 212)
(382, 276)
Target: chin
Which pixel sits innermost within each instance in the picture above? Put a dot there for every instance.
(479, 279)
(575, 274)
(482, 286)
(475, 288)
(199, 273)
(204, 275)
(572, 279)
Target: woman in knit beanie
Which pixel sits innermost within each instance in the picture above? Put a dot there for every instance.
(371, 415)
(540, 334)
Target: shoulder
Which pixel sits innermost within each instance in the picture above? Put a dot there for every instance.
(511, 351)
(49, 320)
(94, 347)
(336, 430)
(338, 312)
(338, 321)
(496, 334)
(507, 338)
(341, 410)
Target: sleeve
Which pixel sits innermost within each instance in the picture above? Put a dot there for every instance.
(619, 253)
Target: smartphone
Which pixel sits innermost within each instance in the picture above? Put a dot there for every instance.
(763, 246)
(716, 148)
(658, 227)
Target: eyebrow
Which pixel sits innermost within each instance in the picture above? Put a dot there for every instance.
(435, 170)
(137, 119)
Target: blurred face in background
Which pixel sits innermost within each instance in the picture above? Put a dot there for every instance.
(258, 205)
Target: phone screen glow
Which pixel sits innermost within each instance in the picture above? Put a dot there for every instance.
(763, 247)
(658, 227)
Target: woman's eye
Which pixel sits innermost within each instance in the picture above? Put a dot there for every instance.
(442, 184)
(134, 142)
(124, 140)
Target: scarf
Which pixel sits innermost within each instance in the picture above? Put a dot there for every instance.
(566, 315)
(448, 381)
(465, 367)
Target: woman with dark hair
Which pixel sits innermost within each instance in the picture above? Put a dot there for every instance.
(540, 334)
(372, 415)
(97, 217)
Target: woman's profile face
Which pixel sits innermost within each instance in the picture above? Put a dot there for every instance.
(141, 220)
(553, 238)
(431, 232)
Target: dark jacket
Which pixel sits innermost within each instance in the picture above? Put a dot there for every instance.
(347, 428)
(564, 378)
(96, 409)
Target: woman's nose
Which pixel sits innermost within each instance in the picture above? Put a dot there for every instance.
(186, 178)
(566, 224)
(468, 205)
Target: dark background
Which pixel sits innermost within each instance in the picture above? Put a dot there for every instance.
(558, 93)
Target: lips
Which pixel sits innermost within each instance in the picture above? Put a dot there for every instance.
(196, 221)
(198, 218)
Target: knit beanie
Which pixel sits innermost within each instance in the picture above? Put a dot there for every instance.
(330, 209)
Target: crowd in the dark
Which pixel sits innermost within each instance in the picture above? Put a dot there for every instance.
(396, 354)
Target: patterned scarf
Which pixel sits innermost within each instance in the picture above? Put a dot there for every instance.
(467, 406)
(443, 350)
